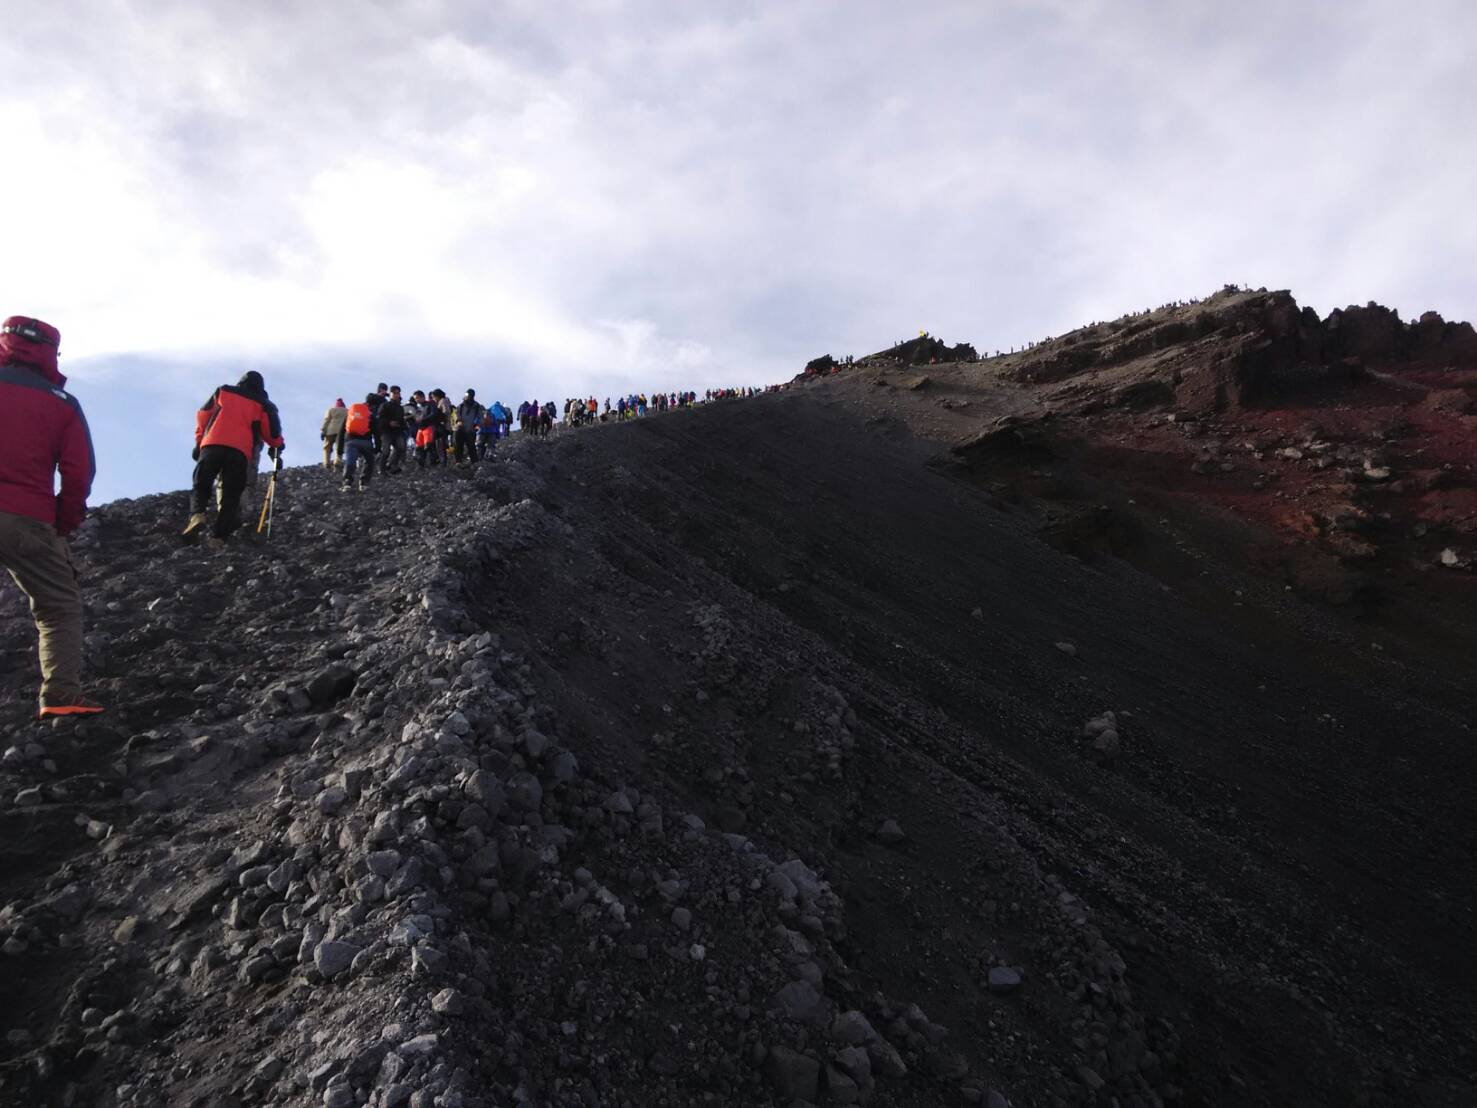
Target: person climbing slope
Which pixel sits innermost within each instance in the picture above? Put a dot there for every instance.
(333, 434)
(44, 431)
(390, 429)
(468, 416)
(229, 428)
(360, 432)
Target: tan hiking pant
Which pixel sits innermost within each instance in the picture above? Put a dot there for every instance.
(41, 563)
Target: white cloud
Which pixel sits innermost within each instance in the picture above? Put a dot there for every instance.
(608, 190)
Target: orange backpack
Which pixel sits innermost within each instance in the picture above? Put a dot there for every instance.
(358, 421)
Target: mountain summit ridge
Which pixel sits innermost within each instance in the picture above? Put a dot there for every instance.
(854, 743)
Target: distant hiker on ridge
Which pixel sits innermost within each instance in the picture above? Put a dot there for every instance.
(229, 428)
(333, 433)
(359, 428)
(468, 416)
(44, 431)
(390, 427)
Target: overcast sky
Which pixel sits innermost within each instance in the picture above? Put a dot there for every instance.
(545, 198)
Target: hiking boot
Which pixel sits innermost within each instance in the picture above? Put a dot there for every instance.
(76, 706)
(192, 529)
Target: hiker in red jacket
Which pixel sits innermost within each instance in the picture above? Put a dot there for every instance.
(229, 428)
(44, 431)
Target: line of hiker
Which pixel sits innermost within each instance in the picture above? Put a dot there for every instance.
(379, 432)
(383, 430)
(376, 435)
(45, 433)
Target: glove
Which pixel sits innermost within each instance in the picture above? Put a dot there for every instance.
(195, 454)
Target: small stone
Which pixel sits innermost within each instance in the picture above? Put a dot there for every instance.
(890, 834)
(331, 799)
(254, 969)
(802, 1002)
(795, 1076)
(339, 1096)
(352, 781)
(524, 792)
(618, 804)
(383, 863)
(124, 933)
(853, 1028)
(256, 875)
(448, 1002)
(332, 957)
(564, 766)
(1108, 745)
(1089, 1077)
(534, 744)
(419, 1046)
(1069, 649)
(427, 960)
(681, 918)
(266, 1073)
(1004, 980)
(280, 878)
(386, 827)
(840, 1088)
(330, 684)
(886, 1061)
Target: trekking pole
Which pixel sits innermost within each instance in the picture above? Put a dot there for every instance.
(269, 505)
(265, 520)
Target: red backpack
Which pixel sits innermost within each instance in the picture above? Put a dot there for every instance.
(358, 421)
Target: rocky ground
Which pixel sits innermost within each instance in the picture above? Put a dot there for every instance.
(774, 751)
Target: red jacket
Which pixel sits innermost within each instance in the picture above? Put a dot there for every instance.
(42, 430)
(238, 418)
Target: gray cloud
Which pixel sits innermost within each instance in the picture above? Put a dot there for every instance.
(559, 192)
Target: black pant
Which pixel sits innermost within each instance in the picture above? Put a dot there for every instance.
(394, 456)
(465, 445)
(229, 465)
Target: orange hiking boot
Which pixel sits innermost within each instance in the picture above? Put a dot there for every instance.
(80, 706)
